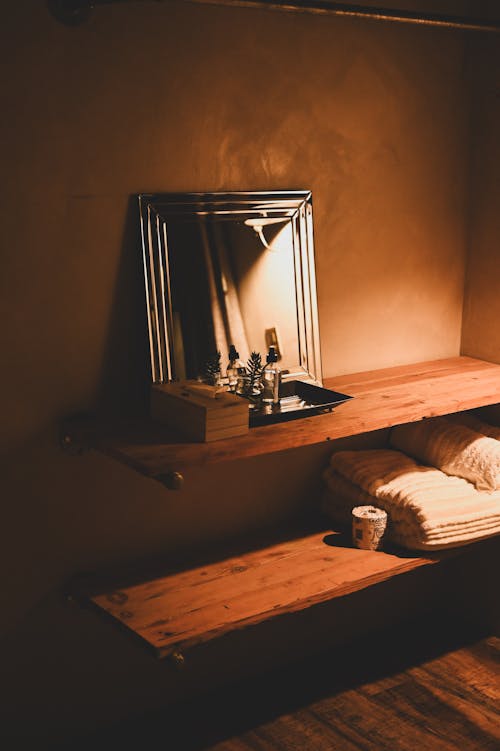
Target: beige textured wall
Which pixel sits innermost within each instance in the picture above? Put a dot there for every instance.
(481, 329)
(180, 97)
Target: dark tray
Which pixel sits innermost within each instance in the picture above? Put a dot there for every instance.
(297, 399)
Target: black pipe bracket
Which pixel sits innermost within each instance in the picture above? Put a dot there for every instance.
(76, 12)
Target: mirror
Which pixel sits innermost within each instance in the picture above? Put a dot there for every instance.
(230, 268)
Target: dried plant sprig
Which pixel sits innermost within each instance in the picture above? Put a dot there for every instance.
(254, 373)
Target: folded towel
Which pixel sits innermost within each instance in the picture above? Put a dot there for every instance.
(340, 497)
(454, 448)
(372, 468)
(426, 508)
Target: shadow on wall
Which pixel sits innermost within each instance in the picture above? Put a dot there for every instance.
(125, 373)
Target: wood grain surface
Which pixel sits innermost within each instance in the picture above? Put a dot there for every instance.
(383, 398)
(447, 703)
(177, 611)
(425, 687)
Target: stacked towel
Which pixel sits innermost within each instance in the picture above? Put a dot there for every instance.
(427, 509)
(452, 447)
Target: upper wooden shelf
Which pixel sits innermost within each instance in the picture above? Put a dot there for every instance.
(383, 398)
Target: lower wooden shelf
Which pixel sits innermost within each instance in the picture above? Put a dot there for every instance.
(173, 612)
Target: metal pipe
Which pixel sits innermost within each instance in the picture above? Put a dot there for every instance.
(359, 11)
(73, 12)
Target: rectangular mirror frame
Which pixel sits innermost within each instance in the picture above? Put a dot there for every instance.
(156, 209)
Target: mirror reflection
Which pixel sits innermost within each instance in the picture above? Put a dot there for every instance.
(230, 270)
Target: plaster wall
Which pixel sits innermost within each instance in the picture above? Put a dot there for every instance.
(481, 332)
(172, 97)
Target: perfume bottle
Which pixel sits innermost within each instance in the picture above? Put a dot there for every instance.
(271, 378)
(235, 368)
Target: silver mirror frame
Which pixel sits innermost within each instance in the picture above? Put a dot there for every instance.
(156, 209)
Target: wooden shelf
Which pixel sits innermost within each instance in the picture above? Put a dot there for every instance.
(383, 398)
(173, 612)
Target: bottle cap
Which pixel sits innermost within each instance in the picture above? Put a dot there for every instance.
(272, 355)
(233, 354)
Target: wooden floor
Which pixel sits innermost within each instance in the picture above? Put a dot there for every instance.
(445, 704)
(418, 695)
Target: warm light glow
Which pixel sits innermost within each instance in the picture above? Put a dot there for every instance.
(258, 224)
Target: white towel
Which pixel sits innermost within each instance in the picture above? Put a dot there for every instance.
(454, 448)
(427, 509)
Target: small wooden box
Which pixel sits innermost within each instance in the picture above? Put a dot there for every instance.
(196, 416)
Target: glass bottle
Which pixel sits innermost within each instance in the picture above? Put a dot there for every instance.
(235, 368)
(271, 378)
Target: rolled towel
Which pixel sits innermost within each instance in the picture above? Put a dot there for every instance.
(455, 449)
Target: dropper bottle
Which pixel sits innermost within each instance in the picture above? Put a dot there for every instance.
(271, 378)
(235, 368)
